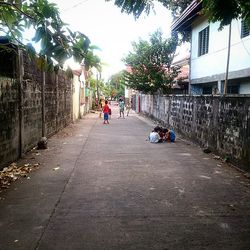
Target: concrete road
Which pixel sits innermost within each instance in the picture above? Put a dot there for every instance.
(106, 187)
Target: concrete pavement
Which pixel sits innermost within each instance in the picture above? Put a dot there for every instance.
(106, 187)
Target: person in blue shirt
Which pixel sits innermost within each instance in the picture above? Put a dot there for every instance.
(169, 135)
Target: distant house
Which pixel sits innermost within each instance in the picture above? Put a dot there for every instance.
(209, 53)
(82, 95)
(181, 82)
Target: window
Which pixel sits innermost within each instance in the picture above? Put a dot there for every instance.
(207, 90)
(203, 41)
(233, 89)
(244, 29)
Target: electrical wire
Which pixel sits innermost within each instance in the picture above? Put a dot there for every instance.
(75, 5)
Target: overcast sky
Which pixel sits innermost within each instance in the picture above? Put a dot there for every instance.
(111, 30)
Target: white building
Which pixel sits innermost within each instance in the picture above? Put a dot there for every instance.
(209, 53)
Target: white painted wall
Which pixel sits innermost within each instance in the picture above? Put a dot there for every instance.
(126, 92)
(76, 101)
(215, 61)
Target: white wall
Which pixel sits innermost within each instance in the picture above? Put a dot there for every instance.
(215, 61)
(126, 92)
(76, 101)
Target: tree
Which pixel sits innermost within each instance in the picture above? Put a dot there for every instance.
(93, 61)
(226, 10)
(176, 7)
(56, 40)
(150, 64)
(137, 7)
(117, 85)
(217, 10)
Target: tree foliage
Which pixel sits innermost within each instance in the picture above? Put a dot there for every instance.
(150, 64)
(91, 60)
(226, 10)
(176, 7)
(217, 10)
(137, 7)
(57, 41)
(117, 85)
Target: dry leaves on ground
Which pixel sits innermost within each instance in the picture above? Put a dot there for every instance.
(14, 172)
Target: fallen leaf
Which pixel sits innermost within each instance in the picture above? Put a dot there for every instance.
(13, 172)
(216, 157)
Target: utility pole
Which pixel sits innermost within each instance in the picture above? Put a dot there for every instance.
(228, 58)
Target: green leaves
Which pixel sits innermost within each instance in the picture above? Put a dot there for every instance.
(226, 10)
(135, 7)
(149, 64)
(221, 10)
(57, 41)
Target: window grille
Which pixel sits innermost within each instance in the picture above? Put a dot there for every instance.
(203, 41)
(233, 89)
(244, 29)
(207, 90)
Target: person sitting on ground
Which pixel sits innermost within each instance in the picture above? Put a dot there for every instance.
(105, 111)
(169, 135)
(164, 134)
(154, 136)
(159, 130)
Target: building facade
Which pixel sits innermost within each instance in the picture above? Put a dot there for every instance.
(218, 56)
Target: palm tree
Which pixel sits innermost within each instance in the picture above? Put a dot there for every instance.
(90, 62)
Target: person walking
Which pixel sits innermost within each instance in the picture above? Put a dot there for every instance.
(121, 108)
(105, 111)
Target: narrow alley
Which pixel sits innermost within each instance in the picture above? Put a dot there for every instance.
(106, 187)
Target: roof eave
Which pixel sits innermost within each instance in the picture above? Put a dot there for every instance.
(183, 22)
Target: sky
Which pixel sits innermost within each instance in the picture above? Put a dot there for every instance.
(111, 30)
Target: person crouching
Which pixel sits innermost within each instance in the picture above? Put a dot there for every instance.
(154, 136)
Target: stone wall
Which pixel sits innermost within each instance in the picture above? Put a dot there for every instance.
(65, 108)
(31, 117)
(221, 123)
(9, 120)
(21, 106)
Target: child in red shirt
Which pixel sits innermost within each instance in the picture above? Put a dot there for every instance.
(105, 111)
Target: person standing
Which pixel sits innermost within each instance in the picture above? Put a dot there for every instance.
(128, 107)
(121, 108)
(105, 111)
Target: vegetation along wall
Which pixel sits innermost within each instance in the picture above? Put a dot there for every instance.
(32, 104)
(221, 123)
